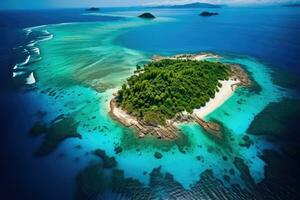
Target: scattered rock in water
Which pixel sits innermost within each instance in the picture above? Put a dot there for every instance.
(231, 171)
(118, 149)
(198, 157)
(226, 113)
(158, 155)
(78, 146)
(225, 158)
(147, 16)
(182, 151)
(247, 142)
(108, 162)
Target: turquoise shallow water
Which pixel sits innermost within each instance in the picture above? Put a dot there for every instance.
(84, 63)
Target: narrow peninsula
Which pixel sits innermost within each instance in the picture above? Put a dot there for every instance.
(172, 90)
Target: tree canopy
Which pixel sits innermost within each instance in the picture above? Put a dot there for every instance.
(161, 89)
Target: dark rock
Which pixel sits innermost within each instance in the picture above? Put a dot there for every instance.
(108, 162)
(118, 149)
(147, 16)
(182, 150)
(92, 9)
(247, 142)
(158, 155)
(191, 5)
(207, 14)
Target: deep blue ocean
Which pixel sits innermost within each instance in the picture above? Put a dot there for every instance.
(269, 34)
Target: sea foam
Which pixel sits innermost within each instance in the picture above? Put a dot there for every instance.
(30, 79)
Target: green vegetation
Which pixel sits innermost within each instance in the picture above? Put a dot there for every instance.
(162, 89)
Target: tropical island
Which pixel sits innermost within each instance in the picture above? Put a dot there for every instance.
(208, 14)
(92, 9)
(147, 16)
(191, 5)
(172, 90)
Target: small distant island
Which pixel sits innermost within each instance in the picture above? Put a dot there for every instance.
(147, 16)
(191, 5)
(172, 90)
(292, 5)
(92, 9)
(207, 14)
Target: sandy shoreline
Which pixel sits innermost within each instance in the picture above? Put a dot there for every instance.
(170, 130)
(225, 92)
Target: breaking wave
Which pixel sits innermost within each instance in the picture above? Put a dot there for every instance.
(29, 53)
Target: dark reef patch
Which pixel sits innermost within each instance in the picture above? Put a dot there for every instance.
(118, 149)
(246, 141)
(279, 122)
(130, 140)
(107, 162)
(60, 129)
(38, 129)
(281, 177)
(286, 79)
(245, 172)
(158, 155)
(96, 182)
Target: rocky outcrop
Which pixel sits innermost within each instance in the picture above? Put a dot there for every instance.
(208, 14)
(168, 131)
(237, 72)
(147, 16)
(158, 155)
(92, 9)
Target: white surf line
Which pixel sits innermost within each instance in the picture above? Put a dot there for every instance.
(31, 79)
(18, 73)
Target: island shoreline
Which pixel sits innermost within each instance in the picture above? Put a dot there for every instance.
(171, 131)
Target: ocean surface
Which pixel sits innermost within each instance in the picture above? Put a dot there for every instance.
(60, 68)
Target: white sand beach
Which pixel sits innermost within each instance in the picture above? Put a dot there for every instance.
(227, 89)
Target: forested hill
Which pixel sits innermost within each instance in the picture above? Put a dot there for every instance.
(161, 89)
